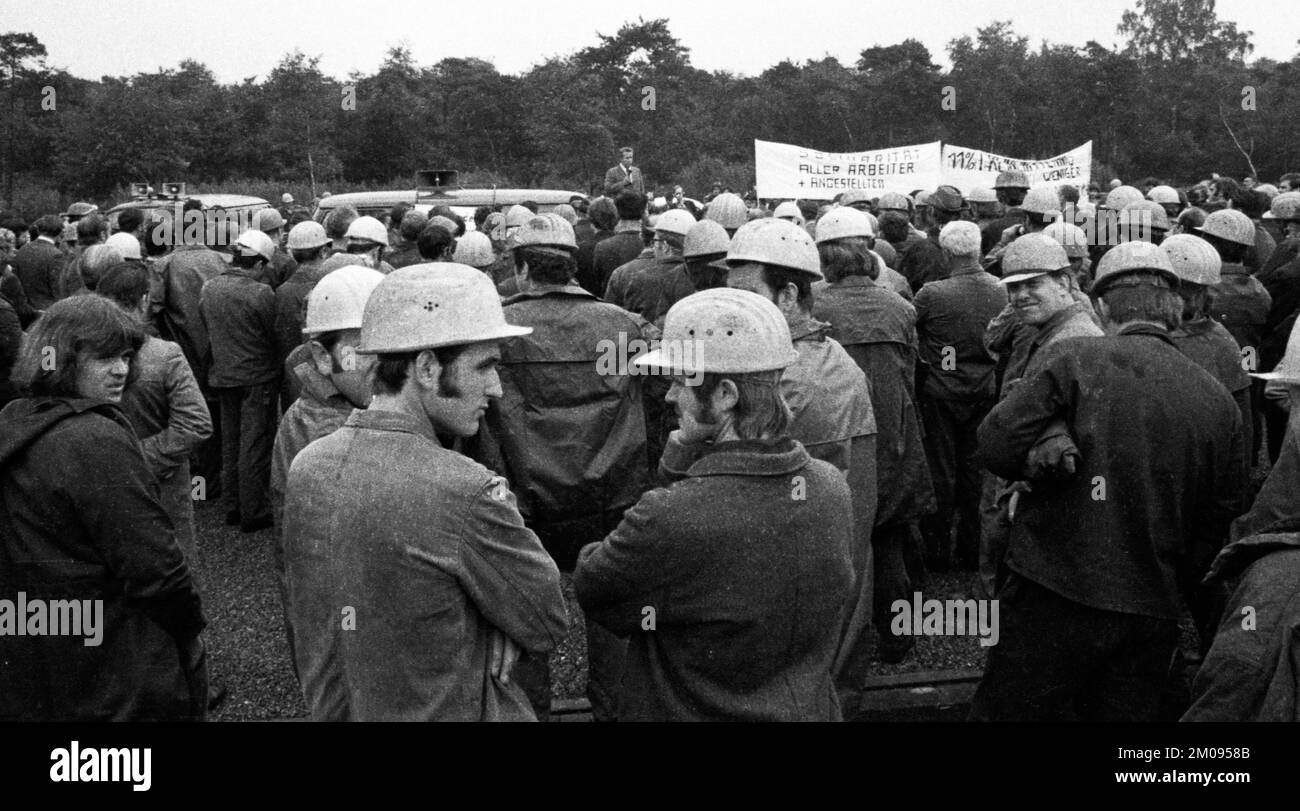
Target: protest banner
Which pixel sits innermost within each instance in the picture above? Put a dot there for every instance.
(783, 170)
(967, 168)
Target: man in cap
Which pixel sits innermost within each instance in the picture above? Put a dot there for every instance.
(238, 312)
(333, 380)
(270, 222)
(878, 330)
(39, 263)
(1102, 550)
(570, 429)
(659, 285)
(827, 392)
(1010, 187)
(286, 206)
(624, 176)
(1042, 308)
(424, 546)
(957, 389)
(984, 205)
(408, 231)
(703, 249)
(307, 243)
(729, 583)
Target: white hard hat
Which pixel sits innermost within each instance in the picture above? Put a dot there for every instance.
(1163, 195)
(267, 219)
(1121, 196)
(1041, 200)
(126, 244)
(306, 235)
(675, 221)
(893, 201)
(368, 228)
(728, 210)
(1030, 256)
(1127, 257)
(1285, 206)
(1193, 259)
(789, 209)
(288, 198)
(474, 249)
(432, 305)
(1072, 238)
(255, 242)
(1231, 225)
(723, 330)
(518, 215)
(339, 299)
(775, 242)
(549, 232)
(706, 238)
(1133, 213)
(982, 194)
(844, 222)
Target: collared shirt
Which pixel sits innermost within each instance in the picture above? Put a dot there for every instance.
(744, 586)
(428, 550)
(1157, 480)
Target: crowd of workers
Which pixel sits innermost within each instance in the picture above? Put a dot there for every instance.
(745, 432)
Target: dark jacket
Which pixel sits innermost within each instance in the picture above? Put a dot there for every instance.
(11, 289)
(619, 178)
(730, 584)
(569, 431)
(1212, 348)
(951, 317)
(878, 330)
(11, 342)
(81, 521)
(1241, 304)
(291, 307)
(238, 313)
(921, 261)
(39, 265)
(174, 301)
(1156, 485)
(588, 238)
(657, 287)
(615, 251)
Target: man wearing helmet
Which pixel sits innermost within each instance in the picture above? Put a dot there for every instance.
(399, 552)
(1102, 550)
(731, 581)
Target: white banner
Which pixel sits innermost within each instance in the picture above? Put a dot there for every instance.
(796, 172)
(967, 168)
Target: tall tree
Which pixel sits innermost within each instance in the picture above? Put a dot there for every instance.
(1171, 30)
(22, 56)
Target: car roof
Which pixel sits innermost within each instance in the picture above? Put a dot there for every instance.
(226, 201)
(469, 198)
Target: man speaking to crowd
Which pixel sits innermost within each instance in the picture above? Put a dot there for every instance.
(624, 176)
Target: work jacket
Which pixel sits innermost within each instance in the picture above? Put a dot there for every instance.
(730, 584)
(878, 330)
(624, 245)
(238, 313)
(1008, 337)
(175, 286)
(38, 265)
(1212, 348)
(951, 317)
(1241, 304)
(656, 287)
(403, 559)
(569, 431)
(1155, 487)
(291, 306)
(81, 520)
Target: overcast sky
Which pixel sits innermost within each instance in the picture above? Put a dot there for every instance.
(242, 38)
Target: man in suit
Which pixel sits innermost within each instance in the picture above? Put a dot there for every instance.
(40, 262)
(624, 176)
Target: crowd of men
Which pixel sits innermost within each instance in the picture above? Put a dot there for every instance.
(745, 431)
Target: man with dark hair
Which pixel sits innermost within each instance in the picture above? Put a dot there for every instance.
(405, 251)
(238, 312)
(922, 261)
(730, 585)
(459, 230)
(1106, 543)
(435, 243)
(39, 263)
(395, 215)
(660, 284)
(624, 176)
(129, 221)
(337, 223)
(626, 244)
(596, 227)
(92, 230)
(425, 545)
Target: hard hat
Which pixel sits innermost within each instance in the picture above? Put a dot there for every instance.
(1121, 196)
(982, 194)
(254, 242)
(1032, 255)
(706, 238)
(339, 299)
(432, 305)
(446, 223)
(267, 219)
(775, 242)
(1163, 195)
(789, 209)
(1128, 257)
(567, 212)
(1266, 189)
(126, 244)
(921, 198)
(843, 222)
(1011, 179)
(474, 249)
(549, 233)
(288, 198)
(80, 209)
(1194, 260)
(306, 235)
(1133, 213)
(946, 198)
(855, 196)
(517, 216)
(723, 330)
(677, 221)
(1041, 200)
(892, 201)
(728, 210)
(1286, 206)
(1072, 238)
(1231, 225)
(368, 228)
